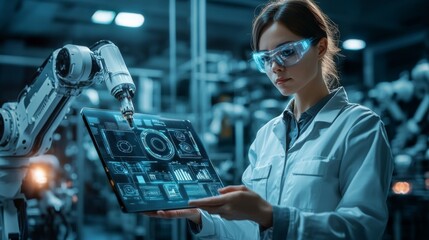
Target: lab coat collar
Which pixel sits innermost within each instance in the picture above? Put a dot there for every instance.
(327, 114)
(333, 107)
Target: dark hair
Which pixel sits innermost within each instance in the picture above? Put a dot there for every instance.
(304, 18)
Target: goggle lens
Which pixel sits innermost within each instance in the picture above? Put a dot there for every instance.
(286, 55)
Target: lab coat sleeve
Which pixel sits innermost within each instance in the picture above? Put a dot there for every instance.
(215, 227)
(364, 180)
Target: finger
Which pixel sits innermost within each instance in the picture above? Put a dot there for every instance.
(233, 189)
(157, 214)
(160, 212)
(179, 213)
(211, 201)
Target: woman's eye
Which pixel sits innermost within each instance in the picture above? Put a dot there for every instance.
(265, 58)
(287, 53)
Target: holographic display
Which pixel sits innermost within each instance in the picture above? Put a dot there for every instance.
(159, 164)
(195, 190)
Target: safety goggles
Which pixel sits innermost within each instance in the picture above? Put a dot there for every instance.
(285, 55)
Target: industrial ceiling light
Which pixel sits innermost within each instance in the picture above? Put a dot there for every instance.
(354, 44)
(126, 19)
(103, 17)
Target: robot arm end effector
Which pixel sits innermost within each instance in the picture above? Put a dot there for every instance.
(116, 77)
(125, 95)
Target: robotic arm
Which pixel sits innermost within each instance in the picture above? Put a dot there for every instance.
(26, 126)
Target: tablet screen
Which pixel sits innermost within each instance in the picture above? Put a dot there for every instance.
(159, 164)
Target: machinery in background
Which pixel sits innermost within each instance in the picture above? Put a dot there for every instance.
(27, 126)
(404, 107)
(226, 113)
(51, 198)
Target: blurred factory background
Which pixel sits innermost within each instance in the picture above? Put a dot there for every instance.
(190, 59)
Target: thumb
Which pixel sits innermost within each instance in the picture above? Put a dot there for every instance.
(181, 213)
(233, 188)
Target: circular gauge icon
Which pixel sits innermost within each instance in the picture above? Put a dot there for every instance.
(186, 147)
(179, 135)
(157, 144)
(124, 146)
(129, 190)
(118, 168)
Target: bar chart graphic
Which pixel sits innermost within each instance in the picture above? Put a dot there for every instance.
(182, 175)
(202, 173)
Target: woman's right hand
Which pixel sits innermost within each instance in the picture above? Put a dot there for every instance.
(193, 214)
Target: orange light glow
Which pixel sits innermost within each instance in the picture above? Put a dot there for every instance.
(69, 184)
(39, 176)
(401, 188)
(427, 180)
(75, 198)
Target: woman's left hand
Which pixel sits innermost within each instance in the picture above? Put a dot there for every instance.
(237, 203)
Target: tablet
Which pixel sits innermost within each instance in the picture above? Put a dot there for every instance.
(159, 164)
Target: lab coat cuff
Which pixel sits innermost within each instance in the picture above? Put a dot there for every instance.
(280, 222)
(206, 228)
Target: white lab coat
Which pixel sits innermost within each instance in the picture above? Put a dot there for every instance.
(331, 184)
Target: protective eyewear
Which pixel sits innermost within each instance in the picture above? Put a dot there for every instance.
(285, 55)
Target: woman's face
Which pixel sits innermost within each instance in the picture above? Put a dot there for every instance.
(293, 79)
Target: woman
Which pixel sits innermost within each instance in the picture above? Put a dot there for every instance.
(320, 170)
